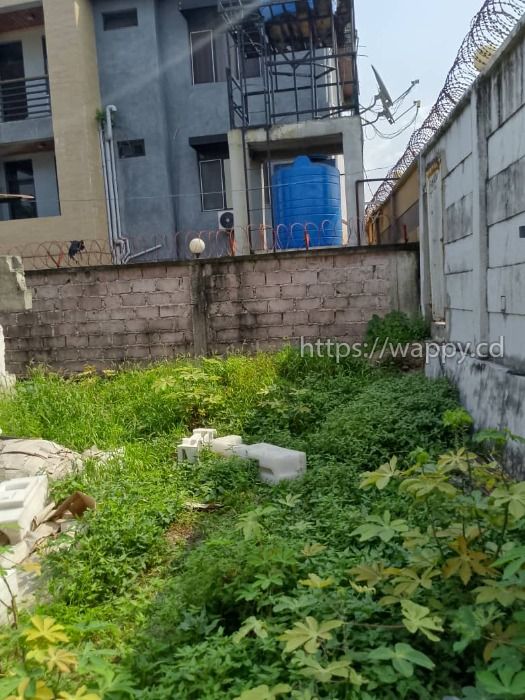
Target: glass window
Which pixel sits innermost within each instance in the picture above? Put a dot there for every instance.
(20, 180)
(212, 185)
(202, 58)
(120, 19)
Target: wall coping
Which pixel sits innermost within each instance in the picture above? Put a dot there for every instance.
(253, 257)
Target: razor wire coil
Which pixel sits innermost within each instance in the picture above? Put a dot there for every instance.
(489, 28)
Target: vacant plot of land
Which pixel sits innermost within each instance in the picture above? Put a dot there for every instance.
(385, 585)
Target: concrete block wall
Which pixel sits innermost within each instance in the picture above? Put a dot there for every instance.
(108, 315)
(473, 239)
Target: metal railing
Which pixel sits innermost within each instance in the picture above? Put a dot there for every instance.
(24, 98)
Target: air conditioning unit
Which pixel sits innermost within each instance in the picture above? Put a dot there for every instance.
(226, 220)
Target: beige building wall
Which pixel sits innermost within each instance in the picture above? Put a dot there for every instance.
(75, 98)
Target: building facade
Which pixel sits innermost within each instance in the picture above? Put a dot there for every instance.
(49, 91)
(140, 177)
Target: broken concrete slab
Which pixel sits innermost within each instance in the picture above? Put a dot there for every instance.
(14, 294)
(14, 297)
(23, 458)
(7, 381)
(276, 464)
(224, 445)
(20, 501)
(15, 555)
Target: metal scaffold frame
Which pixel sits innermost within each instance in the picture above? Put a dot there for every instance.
(307, 53)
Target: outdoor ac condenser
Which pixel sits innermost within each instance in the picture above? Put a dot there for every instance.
(226, 220)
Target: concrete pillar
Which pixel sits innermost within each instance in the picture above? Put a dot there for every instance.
(480, 105)
(354, 168)
(239, 190)
(424, 248)
(199, 307)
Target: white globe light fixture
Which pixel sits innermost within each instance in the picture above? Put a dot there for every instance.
(197, 246)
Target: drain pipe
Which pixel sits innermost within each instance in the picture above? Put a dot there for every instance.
(119, 244)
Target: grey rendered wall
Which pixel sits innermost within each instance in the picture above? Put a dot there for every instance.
(193, 110)
(454, 151)
(145, 72)
(484, 264)
(505, 97)
(129, 71)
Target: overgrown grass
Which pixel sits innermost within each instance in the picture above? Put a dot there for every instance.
(172, 614)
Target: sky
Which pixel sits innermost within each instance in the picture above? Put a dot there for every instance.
(406, 40)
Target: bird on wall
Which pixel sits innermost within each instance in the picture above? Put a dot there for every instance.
(76, 248)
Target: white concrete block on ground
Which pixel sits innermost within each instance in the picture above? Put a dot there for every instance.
(20, 501)
(276, 464)
(8, 589)
(189, 449)
(207, 434)
(224, 445)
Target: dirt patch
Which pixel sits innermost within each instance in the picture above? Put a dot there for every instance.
(182, 534)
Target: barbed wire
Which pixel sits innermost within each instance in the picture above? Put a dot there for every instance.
(175, 246)
(489, 28)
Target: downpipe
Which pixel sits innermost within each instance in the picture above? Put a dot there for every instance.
(119, 244)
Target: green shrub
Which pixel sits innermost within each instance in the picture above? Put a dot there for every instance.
(393, 415)
(396, 328)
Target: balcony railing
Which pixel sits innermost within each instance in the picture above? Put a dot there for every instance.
(24, 98)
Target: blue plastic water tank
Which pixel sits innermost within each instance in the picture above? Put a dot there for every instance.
(307, 197)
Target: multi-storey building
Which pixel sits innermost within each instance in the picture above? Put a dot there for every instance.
(118, 116)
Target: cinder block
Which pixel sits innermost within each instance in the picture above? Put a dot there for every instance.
(279, 277)
(340, 274)
(20, 501)
(321, 316)
(273, 292)
(284, 331)
(143, 285)
(280, 305)
(207, 435)
(295, 317)
(294, 291)
(224, 445)
(305, 277)
(189, 449)
(276, 464)
(321, 290)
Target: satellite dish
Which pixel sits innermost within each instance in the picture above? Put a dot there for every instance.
(385, 98)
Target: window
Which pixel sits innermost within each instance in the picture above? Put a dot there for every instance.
(120, 19)
(212, 185)
(131, 149)
(13, 94)
(20, 180)
(202, 57)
